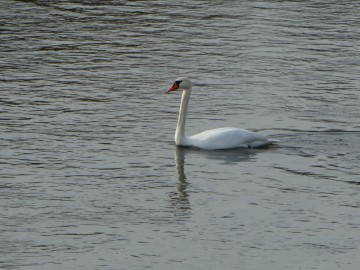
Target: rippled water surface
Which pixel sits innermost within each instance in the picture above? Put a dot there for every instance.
(90, 177)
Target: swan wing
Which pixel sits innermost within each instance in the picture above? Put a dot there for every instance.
(225, 138)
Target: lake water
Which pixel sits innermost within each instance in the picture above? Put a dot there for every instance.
(90, 177)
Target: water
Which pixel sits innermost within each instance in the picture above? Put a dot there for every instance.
(90, 176)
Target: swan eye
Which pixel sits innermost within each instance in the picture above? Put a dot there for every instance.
(178, 83)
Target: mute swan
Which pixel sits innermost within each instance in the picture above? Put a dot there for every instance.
(220, 138)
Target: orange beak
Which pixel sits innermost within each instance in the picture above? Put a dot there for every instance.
(172, 88)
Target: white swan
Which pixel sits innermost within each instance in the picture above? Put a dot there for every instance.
(220, 138)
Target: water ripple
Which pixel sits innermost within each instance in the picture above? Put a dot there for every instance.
(90, 177)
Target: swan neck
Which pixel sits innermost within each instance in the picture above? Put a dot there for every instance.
(180, 137)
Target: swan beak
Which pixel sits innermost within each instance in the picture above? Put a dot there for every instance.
(172, 88)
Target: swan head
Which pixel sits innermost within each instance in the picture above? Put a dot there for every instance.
(180, 83)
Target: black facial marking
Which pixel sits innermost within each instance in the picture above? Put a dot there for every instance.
(178, 83)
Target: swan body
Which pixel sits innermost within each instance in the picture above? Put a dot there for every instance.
(226, 138)
(220, 138)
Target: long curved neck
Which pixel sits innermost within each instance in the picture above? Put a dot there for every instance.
(180, 138)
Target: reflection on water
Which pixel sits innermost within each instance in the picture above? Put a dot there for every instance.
(228, 156)
(179, 199)
(180, 170)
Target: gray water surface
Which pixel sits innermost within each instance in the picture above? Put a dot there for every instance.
(90, 177)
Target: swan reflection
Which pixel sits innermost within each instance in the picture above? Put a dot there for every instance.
(228, 156)
(180, 163)
(180, 198)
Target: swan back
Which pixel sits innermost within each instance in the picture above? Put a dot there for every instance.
(227, 138)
